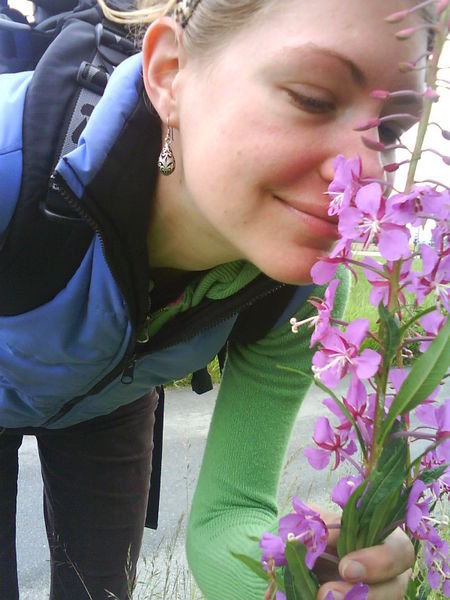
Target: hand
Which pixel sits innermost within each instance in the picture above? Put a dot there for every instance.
(386, 568)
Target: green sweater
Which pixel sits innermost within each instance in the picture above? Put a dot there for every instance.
(236, 495)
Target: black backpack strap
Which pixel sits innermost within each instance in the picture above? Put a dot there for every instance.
(151, 519)
(44, 242)
(255, 322)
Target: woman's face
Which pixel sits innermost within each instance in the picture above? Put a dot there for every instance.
(258, 130)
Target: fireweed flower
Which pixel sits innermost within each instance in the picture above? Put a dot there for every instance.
(370, 222)
(358, 592)
(321, 322)
(339, 354)
(306, 526)
(325, 269)
(356, 402)
(432, 324)
(380, 290)
(345, 488)
(345, 184)
(329, 443)
(417, 507)
(435, 557)
(273, 548)
(435, 277)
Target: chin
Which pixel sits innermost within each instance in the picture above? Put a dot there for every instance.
(292, 268)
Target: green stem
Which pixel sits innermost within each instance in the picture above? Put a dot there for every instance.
(431, 76)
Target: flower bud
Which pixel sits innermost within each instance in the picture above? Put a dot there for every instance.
(379, 94)
(431, 94)
(373, 144)
(391, 167)
(370, 124)
(397, 16)
(405, 67)
(405, 34)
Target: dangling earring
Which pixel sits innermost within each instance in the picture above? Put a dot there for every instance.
(166, 160)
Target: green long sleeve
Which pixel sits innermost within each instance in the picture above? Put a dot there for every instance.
(236, 495)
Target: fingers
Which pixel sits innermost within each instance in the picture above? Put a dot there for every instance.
(386, 568)
(379, 563)
(395, 589)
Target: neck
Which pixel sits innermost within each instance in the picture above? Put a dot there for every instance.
(179, 238)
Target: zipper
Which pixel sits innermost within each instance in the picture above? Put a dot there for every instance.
(60, 187)
(198, 320)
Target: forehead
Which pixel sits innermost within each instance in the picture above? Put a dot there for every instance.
(354, 29)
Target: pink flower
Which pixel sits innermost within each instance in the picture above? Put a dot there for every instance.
(370, 222)
(321, 322)
(345, 184)
(359, 591)
(345, 488)
(339, 354)
(324, 308)
(357, 405)
(329, 443)
(417, 508)
(434, 278)
(432, 323)
(306, 526)
(324, 270)
(380, 284)
(273, 548)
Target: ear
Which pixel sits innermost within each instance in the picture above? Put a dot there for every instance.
(162, 57)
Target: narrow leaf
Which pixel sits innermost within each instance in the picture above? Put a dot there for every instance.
(304, 582)
(423, 378)
(388, 475)
(349, 539)
(253, 564)
(391, 337)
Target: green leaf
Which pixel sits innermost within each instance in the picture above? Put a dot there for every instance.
(348, 537)
(254, 565)
(289, 586)
(411, 592)
(431, 475)
(384, 518)
(391, 336)
(389, 475)
(423, 378)
(300, 582)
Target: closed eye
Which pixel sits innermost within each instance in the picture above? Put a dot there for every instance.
(312, 104)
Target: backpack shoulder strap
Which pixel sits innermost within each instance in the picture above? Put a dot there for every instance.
(255, 322)
(44, 243)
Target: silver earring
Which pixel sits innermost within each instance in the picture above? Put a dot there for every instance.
(166, 160)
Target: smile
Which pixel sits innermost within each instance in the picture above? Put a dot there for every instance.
(319, 225)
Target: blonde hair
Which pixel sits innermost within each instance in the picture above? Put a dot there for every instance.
(212, 21)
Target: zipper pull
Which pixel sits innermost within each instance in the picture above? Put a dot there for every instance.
(128, 373)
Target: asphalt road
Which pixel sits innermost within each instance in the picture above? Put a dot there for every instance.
(184, 438)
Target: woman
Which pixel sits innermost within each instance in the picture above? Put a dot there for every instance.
(245, 104)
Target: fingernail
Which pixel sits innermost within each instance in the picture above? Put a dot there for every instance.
(353, 570)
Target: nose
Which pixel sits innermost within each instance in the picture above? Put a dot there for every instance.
(351, 145)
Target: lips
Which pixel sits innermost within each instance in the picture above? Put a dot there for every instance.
(317, 219)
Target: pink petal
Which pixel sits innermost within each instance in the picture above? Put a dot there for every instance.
(317, 458)
(367, 363)
(368, 199)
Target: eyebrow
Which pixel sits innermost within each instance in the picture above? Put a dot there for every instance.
(356, 73)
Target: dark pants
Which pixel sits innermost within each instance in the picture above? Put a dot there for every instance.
(96, 482)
